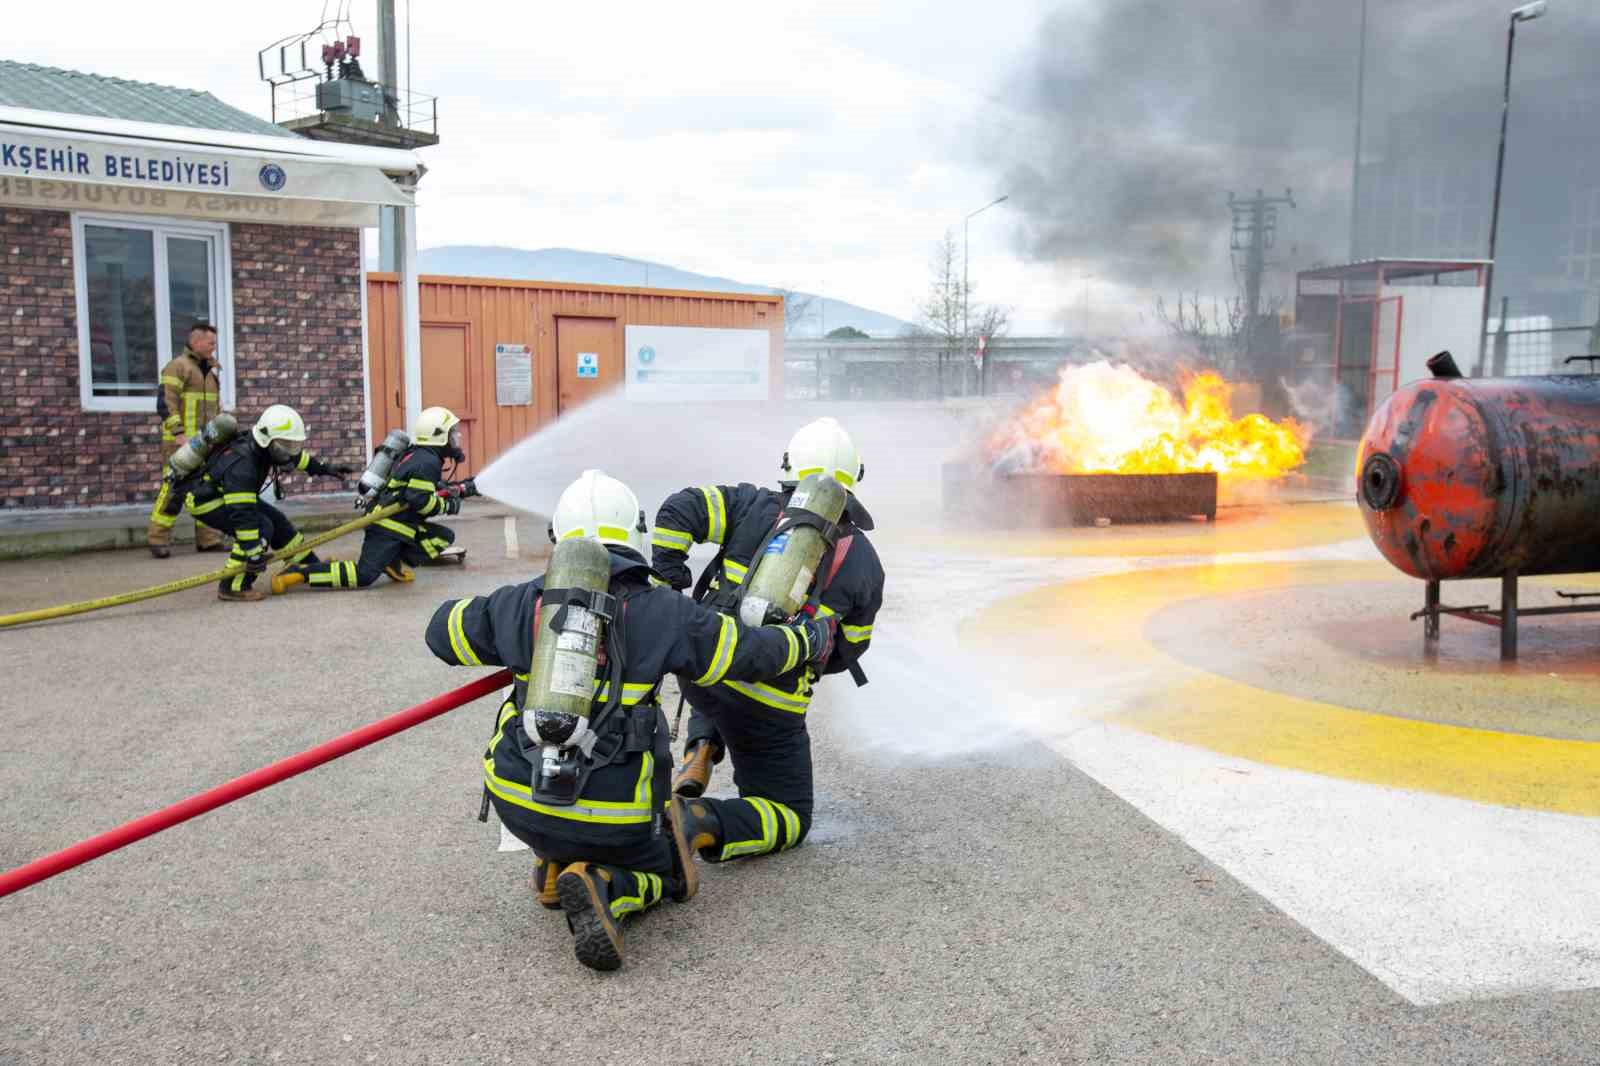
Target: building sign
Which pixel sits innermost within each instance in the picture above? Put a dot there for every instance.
(588, 364)
(37, 169)
(513, 375)
(679, 363)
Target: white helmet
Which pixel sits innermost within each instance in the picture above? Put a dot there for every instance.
(433, 427)
(600, 508)
(824, 447)
(281, 431)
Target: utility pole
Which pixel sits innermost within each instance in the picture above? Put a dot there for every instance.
(1255, 229)
(1355, 156)
(391, 221)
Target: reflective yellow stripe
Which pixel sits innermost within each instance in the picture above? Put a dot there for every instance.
(735, 571)
(600, 811)
(791, 826)
(825, 611)
(769, 832)
(250, 534)
(458, 636)
(235, 498)
(716, 514)
(397, 527)
(177, 383)
(843, 478)
(632, 692)
(671, 538)
(857, 634)
(204, 508)
(794, 702)
(616, 533)
(722, 658)
(419, 483)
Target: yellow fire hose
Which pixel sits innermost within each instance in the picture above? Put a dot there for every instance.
(191, 582)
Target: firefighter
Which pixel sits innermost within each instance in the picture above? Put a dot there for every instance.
(618, 849)
(226, 496)
(762, 725)
(394, 544)
(186, 400)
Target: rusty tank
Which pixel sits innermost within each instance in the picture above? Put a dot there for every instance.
(1486, 477)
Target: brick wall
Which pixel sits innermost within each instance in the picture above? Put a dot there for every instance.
(297, 340)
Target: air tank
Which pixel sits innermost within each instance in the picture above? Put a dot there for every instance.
(1473, 478)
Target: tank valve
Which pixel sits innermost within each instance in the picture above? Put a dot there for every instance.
(1380, 482)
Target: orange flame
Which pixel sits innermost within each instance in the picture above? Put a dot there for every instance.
(1105, 419)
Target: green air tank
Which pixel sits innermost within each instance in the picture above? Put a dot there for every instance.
(561, 679)
(192, 456)
(780, 581)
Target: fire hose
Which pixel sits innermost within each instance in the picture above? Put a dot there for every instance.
(85, 851)
(191, 582)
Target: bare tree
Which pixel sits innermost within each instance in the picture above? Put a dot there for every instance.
(797, 307)
(1215, 340)
(949, 317)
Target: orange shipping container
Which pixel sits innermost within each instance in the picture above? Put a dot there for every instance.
(463, 319)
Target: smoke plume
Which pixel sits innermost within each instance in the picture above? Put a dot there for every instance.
(1147, 113)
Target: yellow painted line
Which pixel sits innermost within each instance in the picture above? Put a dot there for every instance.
(1103, 619)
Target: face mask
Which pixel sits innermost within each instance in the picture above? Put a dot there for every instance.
(452, 447)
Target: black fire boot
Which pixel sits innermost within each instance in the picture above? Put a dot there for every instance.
(585, 893)
(545, 873)
(695, 828)
(694, 776)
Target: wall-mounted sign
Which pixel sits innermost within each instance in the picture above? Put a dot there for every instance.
(588, 364)
(513, 375)
(688, 363)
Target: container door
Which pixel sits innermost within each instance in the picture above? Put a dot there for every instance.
(1385, 351)
(447, 377)
(588, 362)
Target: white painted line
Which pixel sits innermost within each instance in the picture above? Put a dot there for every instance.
(511, 537)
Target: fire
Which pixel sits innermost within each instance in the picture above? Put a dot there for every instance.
(1106, 419)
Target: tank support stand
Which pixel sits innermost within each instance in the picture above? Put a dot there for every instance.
(1506, 618)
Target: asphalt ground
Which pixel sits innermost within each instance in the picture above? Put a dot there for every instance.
(991, 907)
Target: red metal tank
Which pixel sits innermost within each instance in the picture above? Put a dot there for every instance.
(1462, 478)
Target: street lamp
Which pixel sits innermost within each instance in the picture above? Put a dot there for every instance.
(966, 244)
(1525, 13)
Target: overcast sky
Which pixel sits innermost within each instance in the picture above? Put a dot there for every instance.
(820, 145)
(827, 144)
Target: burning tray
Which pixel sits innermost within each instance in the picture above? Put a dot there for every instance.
(1030, 499)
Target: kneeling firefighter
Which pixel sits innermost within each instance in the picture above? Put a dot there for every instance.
(579, 763)
(226, 495)
(804, 545)
(415, 477)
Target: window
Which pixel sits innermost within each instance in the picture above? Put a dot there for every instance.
(140, 283)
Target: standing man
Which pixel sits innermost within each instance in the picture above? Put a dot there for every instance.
(188, 397)
(762, 725)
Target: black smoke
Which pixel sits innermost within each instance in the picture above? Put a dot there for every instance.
(1145, 114)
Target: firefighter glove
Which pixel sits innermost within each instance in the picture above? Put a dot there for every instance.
(452, 504)
(256, 561)
(469, 487)
(818, 635)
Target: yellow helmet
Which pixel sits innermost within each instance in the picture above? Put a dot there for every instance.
(433, 427)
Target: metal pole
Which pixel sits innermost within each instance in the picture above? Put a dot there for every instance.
(1355, 156)
(1508, 617)
(388, 63)
(966, 245)
(1494, 211)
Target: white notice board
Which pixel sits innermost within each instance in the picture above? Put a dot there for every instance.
(669, 364)
(513, 375)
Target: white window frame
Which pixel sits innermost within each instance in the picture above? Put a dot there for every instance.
(222, 312)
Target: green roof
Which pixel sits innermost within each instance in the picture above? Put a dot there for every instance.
(76, 93)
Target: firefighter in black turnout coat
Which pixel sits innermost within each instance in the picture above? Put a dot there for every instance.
(226, 496)
(623, 845)
(762, 725)
(410, 538)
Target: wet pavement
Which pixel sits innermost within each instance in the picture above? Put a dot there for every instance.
(1114, 795)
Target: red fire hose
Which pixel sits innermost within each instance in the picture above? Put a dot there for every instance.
(254, 781)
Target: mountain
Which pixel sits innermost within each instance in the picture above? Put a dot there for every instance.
(598, 268)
